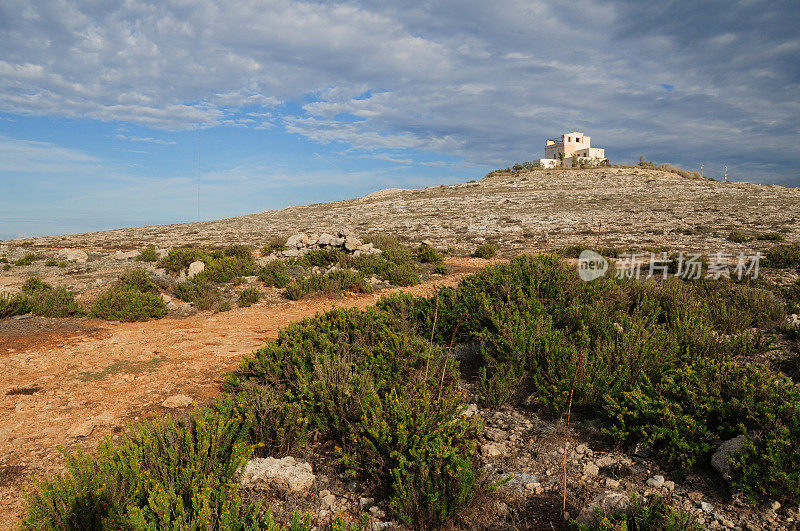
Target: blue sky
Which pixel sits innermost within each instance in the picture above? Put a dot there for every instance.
(111, 111)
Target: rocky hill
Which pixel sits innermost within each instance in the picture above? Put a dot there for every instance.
(521, 211)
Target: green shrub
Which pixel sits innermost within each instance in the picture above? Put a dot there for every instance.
(275, 245)
(179, 259)
(387, 398)
(175, 474)
(428, 255)
(441, 269)
(786, 255)
(45, 300)
(651, 515)
(738, 236)
(16, 304)
(242, 252)
(148, 254)
(319, 258)
(248, 297)
(6, 267)
(224, 307)
(334, 282)
(770, 236)
(28, 259)
(487, 250)
(52, 262)
(133, 297)
(275, 274)
(202, 294)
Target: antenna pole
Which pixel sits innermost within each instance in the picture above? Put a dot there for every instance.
(198, 172)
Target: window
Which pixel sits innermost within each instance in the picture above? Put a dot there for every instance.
(568, 139)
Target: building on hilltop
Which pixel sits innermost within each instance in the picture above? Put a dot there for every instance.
(570, 150)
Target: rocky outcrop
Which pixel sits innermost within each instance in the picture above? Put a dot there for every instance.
(720, 458)
(300, 243)
(285, 475)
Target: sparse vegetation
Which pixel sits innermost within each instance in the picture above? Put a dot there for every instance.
(786, 255)
(248, 297)
(10, 305)
(28, 259)
(148, 254)
(133, 297)
(651, 514)
(275, 274)
(47, 301)
(486, 251)
(428, 255)
(334, 282)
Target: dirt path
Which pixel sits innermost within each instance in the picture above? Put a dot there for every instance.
(69, 382)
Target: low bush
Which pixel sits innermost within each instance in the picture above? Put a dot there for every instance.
(174, 474)
(242, 252)
(486, 251)
(47, 301)
(770, 236)
(16, 304)
(441, 269)
(133, 297)
(652, 514)
(387, 398)
(275, 245)
(334, 282)
(786, 255)
(179, 259)
(52, 262)
(738, 236)
(203, 295)
(28, 259)
(148, 254)
(428, 255)
(248, 297)
(275, 274)
(225, 268)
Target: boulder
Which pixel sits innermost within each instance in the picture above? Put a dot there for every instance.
(353, 244)
(325, 239)
(720, 458)
(285, 475)
(177, 401)
(73, 255)
(337, 242)
(656, 482)
(607, 502)
(126, 255)
(297, 240)
(196, 267)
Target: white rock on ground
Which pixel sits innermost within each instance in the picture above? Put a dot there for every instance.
(195, 268)
(73, 255)
(176, 401)
(286, 475)
(608, 502)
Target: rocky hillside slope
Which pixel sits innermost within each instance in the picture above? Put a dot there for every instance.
(521, 211)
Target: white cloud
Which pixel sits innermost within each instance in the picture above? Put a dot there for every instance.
(146, 139)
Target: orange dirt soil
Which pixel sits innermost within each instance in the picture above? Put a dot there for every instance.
(66, 382)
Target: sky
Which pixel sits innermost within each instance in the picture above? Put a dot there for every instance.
(128, 113)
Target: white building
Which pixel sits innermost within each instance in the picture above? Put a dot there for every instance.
(576, 148)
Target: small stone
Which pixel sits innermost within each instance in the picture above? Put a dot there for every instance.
(470, 410)
(706, 507)
(581, 449)
(324, 493)
(642, 450)
(655, 482)
(774, 506)
(176, 401)
(377, 512)
(669, 485)
(695, 496)
(328, 501)
(606, 460)
(297, 240)
(363, 503)
(720, 458)
(612, 483)
(83, 429)
(590, 469)
(492, 450)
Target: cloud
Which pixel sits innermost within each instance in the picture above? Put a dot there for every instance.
(148, 139)
(679, 81)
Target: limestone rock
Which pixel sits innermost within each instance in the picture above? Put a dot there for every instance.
(297, 240)
(656, 482)
(608, 502)
(590, 469)
(353, 244)
(285, 475)
(325, 239)
(196, 267)
(176, 401)
(720, 458)
(73, 255)
(82, 429)
(126, 255)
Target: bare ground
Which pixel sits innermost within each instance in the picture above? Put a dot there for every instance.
(75, 381)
